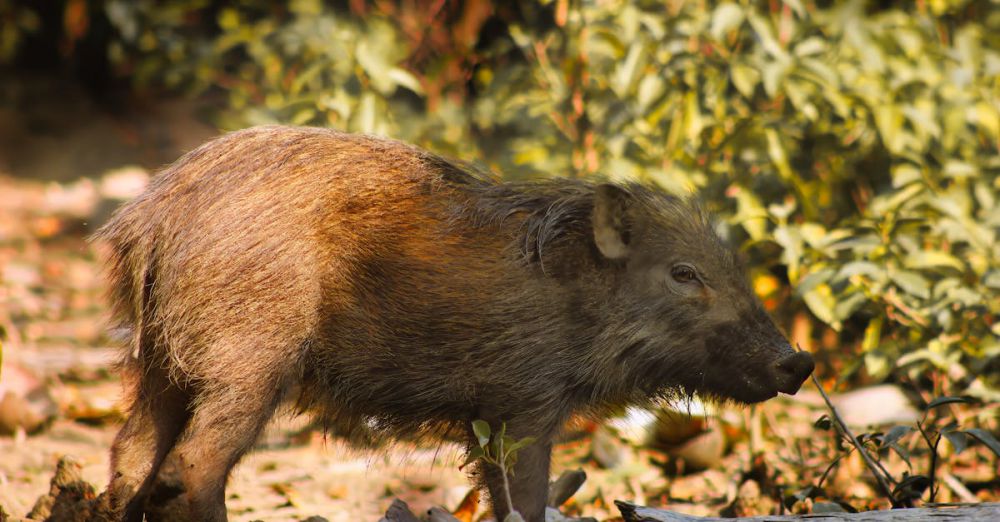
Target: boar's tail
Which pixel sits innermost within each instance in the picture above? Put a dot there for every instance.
(130, 237)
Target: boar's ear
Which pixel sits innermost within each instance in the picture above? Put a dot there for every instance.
(610, 220)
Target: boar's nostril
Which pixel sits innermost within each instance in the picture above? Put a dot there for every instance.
(792, 370)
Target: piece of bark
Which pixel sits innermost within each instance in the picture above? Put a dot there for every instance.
(985, 511)
(399, 512)
(436, 514)
(566, 486)
(554, 515)
(70, 498)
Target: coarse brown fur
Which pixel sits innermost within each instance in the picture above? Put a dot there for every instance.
(382, 286)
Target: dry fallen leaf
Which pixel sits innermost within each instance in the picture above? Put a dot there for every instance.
(466, 510)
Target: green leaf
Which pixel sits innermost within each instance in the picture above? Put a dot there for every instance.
(986, 438)
(904, 174)
(404, 78)
(810, 46)
(813, 279)
(745, 79)
(891, 203)
(797, 6)
(228, 19)
(303, 116)
(821, 303)
(727, 16)
(941, 401)
(752, 215)
(508, 441)
(823, 423)
(912, 486)
(366, 116)
(891, 440)
(854, 268)
(958, 439)
(992, 279)
(873, 334)
(933, 259)
(889, 120)
(481, 429)
(778, 156)
(877, 364)
(912, 283)
(847, 305)
(474, 455)
(773, 74)
(767, 39)
(520, 444)
(902, 452)
(651, 88)
(628, 73)
(896, 433)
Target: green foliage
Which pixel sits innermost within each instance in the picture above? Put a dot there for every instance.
(857, 148)
(303, 65)
(500, 450)
(932, 429)
(16, 22)
(851, 150)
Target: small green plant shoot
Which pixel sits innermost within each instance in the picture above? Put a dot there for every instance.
(500, 450)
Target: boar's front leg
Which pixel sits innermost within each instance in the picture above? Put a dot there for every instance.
(529, 482)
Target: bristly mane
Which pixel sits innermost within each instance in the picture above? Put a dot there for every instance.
(550, 210)
(555, 210)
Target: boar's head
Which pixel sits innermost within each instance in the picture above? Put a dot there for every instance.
(687, 318)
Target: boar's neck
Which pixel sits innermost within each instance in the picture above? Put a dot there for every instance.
(559, 299)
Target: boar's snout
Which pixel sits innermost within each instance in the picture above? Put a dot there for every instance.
(791, 371)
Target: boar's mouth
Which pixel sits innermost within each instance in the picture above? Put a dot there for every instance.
(749, 361)
(749, 384)
(739, 390)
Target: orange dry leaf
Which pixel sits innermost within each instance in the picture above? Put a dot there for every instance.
(75, 21)
(47, 226)
(467, 509)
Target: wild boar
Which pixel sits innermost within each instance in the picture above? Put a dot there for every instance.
(384, 286)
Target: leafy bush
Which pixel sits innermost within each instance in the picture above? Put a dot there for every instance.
(851, 149)
(855, 149)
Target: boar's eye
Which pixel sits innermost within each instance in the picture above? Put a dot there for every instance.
(684, 273)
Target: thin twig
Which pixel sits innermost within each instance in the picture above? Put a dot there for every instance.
(864, 453)
(885, 473)
(934, 453)
(958, 488)
(822, 478)
(506, 483)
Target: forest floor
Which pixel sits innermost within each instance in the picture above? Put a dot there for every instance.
(59, 397)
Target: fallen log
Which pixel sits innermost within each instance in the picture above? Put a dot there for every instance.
(985, 511)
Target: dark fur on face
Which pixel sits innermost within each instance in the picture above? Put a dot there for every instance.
(386, 288)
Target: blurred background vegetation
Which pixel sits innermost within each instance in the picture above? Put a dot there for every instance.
(850, 148)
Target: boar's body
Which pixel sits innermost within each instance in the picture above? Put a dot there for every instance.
(386, 287)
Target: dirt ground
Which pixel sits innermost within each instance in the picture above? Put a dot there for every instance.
(317, 477)
(58, 356)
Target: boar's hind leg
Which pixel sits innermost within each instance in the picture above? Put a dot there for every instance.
(227, 418)
(529, 484)
(157, 416)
